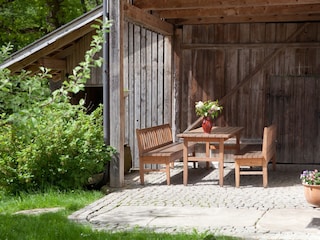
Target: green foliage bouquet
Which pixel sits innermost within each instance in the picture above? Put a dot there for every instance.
(208, 108)
(310, 177)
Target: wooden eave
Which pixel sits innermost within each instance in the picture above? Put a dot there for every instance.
(190, 12)
(49, 46)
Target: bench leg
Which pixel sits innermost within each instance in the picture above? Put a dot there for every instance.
(237, 173)
(168, 173)
(141, 172)
(265, 175)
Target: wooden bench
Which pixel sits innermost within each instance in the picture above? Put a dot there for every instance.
(156, 146)
(250, 156)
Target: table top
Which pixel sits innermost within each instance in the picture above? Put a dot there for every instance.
(216, 132)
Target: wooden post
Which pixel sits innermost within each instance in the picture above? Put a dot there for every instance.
(117, 118)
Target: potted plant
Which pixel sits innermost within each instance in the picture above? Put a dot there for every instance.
(208, 110)
(311, 182)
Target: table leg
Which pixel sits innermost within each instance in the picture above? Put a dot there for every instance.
(185, 162)
(238, 142)
(207, 154)
(221, 161)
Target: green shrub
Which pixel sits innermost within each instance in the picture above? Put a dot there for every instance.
(45, 141)
(56, 148)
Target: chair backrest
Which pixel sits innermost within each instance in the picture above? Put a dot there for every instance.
(153, 137)
(269, 142)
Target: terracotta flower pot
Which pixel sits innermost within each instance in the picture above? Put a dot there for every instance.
(312, 194)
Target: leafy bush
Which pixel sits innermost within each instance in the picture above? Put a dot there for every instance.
(44, 139)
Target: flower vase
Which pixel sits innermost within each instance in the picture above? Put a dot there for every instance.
(207, 123)
(312, 194)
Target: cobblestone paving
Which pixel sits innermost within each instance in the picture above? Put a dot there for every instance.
(284, 192)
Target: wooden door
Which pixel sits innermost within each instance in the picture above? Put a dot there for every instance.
(293, 103)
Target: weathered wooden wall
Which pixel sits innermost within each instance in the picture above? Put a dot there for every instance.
(282, 80)
(147, 64)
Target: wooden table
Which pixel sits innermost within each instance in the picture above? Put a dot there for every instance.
(217, 135)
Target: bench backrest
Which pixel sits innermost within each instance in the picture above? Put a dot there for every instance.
(153, 137)
(269, 142)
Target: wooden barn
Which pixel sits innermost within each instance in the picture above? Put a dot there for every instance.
(260, 59)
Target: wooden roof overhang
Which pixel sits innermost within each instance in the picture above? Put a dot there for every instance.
(186, 12)
(51, 50)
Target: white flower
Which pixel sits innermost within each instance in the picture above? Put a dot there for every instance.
(199, 104)
(215, 108)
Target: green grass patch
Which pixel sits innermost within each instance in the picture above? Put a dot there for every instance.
(55, 226)
(70, 200)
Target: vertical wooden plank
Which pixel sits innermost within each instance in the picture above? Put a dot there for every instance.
(286, 134)
(154, 79)
(257, 34)
(148, 88)
(195, 92)
(135, 82)
(126, 81)
(116, 93)
(299, 110)
(141, 95)
(309, 118)
(231, 74)
(177, 81)
(186, 111)
(160, 79)
(210, 64)
(243, 93)
(168, 93)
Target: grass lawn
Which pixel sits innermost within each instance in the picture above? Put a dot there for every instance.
(56, 226)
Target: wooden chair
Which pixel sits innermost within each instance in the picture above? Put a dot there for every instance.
(250, 156)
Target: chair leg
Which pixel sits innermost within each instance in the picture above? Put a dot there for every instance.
(237, 173)
(265, 175)
(141, 172)
(194, 164)
(168, 173)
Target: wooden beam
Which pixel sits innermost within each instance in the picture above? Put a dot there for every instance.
(241, 11)
(248, 19)
(222, 46)
(187, 4)
(142, 18)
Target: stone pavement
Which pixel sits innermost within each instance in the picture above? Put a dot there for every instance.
(249, 212)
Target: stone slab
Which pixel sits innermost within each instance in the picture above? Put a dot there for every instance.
(179, 216)
(291, 220)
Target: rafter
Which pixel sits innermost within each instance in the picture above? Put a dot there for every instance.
(136, 15)
(248, 19)
(241, 11)
(187, 4)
